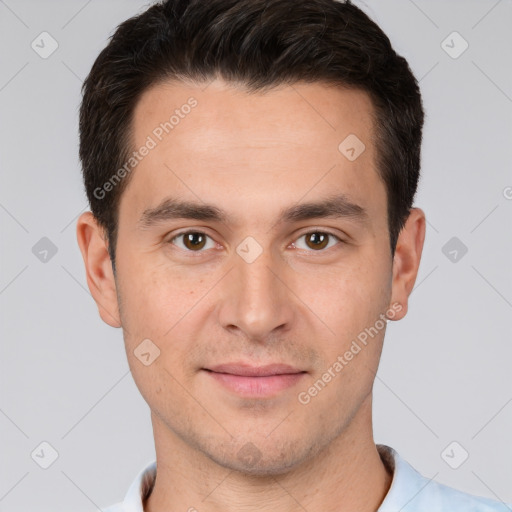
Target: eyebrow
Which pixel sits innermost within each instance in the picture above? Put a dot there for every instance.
(337, 206)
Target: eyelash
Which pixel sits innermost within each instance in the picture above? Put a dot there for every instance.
(323, 232)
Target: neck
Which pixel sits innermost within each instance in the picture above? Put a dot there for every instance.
(348, 475)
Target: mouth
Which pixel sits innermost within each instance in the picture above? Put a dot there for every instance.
(255, 381)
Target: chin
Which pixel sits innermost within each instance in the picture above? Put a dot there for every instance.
(265, 459)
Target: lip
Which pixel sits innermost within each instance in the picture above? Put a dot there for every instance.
(247, 370)
(255, 381)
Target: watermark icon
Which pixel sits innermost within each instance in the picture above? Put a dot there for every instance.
(455, 455)
(304, 397)
(507, 192)
(249, 454)
(146, 352)
(44, 250)
(44, 455)
(454, 249)
(157, 135)
(44, 45)
(249, 249)
(351, 147)
(454, 45)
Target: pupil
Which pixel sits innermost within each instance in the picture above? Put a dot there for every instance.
(195, 239)
(318, 239)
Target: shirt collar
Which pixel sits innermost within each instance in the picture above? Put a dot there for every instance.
(406, 482)
(140, 489)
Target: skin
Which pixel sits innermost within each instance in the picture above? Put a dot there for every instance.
(253, 155)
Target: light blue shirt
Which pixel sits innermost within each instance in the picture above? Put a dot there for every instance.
(409, 492)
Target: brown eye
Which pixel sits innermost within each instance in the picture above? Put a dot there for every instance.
(192, 241)
(317, 240)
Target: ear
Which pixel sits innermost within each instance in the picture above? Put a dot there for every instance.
(406, 260)
(98, 267)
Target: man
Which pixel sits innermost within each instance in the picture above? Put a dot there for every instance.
(251, 167)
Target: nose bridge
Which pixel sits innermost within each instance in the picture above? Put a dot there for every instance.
(259, 301)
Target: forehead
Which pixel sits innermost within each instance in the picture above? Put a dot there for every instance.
(227, 115)
(215, 139)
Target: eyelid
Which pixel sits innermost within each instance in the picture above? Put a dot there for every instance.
(318, 229)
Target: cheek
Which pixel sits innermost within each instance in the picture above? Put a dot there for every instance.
(348, 299)
(156, 297)
(155, 307)
(145, 294)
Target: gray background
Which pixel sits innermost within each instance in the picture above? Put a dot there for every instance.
(445, 372)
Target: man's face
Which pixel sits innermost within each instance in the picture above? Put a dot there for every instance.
(254, 288)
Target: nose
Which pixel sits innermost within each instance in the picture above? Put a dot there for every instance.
(258, 300)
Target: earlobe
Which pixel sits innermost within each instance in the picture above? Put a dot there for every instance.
(100, 276)
(407, 259)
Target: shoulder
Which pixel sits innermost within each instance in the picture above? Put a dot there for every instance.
(137, 492)
(412, 492)
(445, 499)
